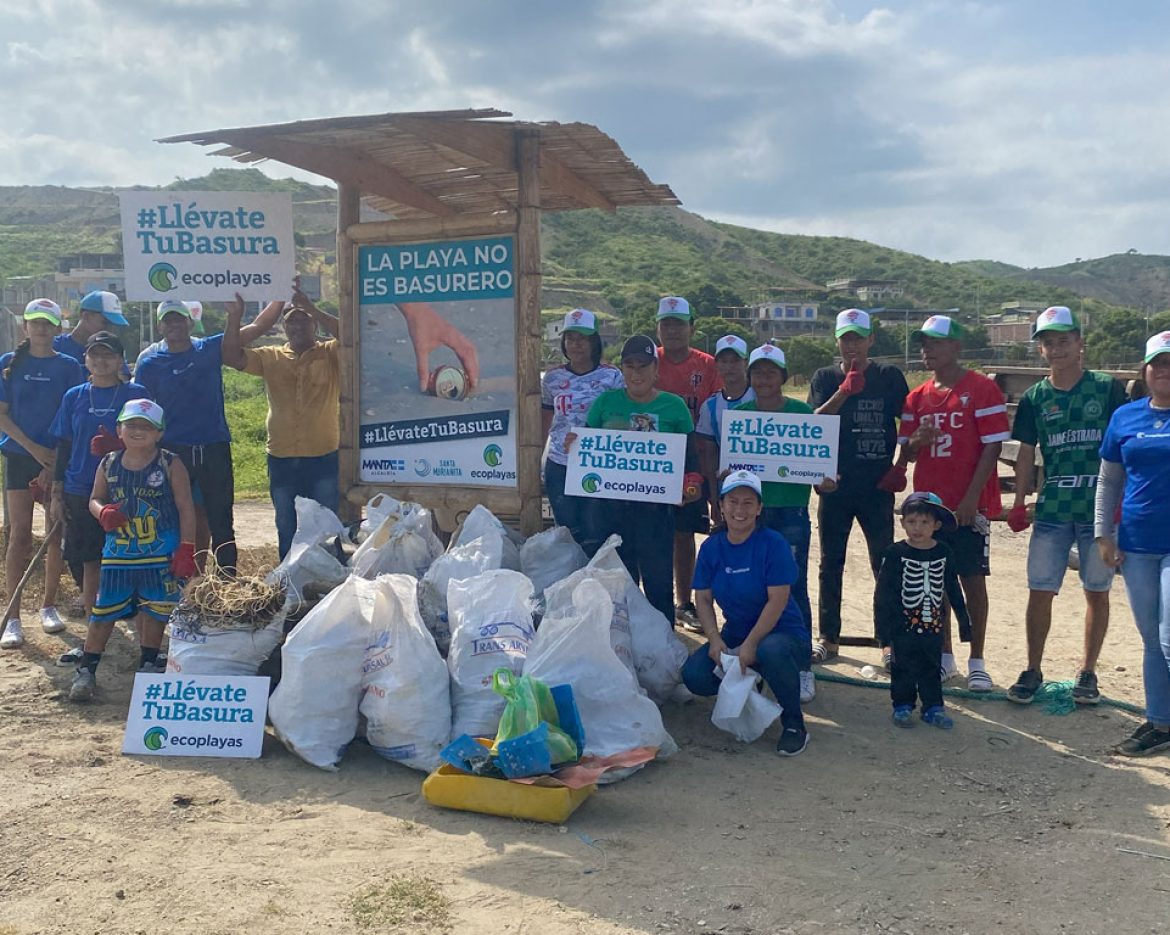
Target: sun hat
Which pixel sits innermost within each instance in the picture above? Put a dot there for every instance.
(581, 321)
(1158, 344)
(729, 342)
(146, 409)
(940, 326)
(740, 479)
(853, 320)
(639, 348)
(43, 308)
(1055, 318)
(945, 516)
(174, 305)
(106, 304)
(770, 353)
(108, 340)
(673, 306)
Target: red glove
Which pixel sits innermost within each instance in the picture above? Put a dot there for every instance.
(894, 480)
(854, 381)
(38, 492)
(103, 443)
(111, 517)
(183, 561)
(1017, 518)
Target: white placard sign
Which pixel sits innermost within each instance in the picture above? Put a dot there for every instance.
(784, 447)
(197, 715)
(616, 465)
(207, 245)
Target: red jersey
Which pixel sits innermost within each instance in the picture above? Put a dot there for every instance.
(969, 415)
(695, 379)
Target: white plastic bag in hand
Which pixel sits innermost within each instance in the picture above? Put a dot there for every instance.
(314, 709)
(573, 648)
(407, 700)
(551, 556)
(402, 544)
(739, 709)
(491, 628)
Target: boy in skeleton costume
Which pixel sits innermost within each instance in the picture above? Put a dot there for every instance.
(916, 576)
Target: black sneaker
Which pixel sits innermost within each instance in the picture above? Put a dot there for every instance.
(687, 615)
(1085, 690)
(792, 742)
(1026, 686)
(1145, 740)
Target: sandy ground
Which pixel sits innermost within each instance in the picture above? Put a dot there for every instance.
(1012, 822)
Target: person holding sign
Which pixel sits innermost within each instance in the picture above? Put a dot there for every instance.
(645, 527)
(142, 499)
(731, 361)
(952, 429)
(748, 570)
(868, 397)
(566, 393)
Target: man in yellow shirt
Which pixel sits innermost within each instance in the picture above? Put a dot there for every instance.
(302, 379)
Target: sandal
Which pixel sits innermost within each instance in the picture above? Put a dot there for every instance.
(822, 653)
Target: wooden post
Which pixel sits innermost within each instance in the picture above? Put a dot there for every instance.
(529, 440)
(348, 212)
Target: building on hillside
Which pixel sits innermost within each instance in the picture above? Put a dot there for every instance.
(1012, 326)
(868, 291)
(768, 320)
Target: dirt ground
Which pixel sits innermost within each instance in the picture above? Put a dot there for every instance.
(1016, 821)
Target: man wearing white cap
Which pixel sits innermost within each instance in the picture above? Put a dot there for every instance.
(868, 397)
(1065, 415)
(731, 361)
(691, 374)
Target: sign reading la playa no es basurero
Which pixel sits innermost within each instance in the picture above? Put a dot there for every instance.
(785, 447)
(618, 465)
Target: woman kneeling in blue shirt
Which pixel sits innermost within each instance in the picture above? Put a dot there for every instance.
(748, 570)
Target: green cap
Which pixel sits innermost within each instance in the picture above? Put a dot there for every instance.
(940, 326)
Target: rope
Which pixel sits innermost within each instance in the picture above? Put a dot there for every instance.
(1057, 696)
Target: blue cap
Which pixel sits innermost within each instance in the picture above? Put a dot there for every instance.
(107, 304)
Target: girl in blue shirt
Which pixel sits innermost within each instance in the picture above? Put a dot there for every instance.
(33, 378)
(749, 571)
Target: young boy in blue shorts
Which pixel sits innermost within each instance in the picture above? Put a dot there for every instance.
(142, 499)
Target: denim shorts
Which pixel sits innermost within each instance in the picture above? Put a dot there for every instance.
(1048, 557)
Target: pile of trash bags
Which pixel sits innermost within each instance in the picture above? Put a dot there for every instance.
(409, 636)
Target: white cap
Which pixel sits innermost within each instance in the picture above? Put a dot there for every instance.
(855, 320)
(146, 409)
(673, 306)
(729, 342)
(740, 479)
(1158, 344)
(581, 320)
(771, 353)
(1055, 318)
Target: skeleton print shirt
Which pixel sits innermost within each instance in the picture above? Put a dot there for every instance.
(911, 587)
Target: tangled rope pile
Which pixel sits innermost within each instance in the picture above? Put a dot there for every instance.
(216, 601)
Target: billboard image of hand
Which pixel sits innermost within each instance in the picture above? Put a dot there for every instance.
(428, 331)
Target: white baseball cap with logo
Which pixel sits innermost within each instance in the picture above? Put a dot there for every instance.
(853, 320)
(673, 306)
(940, 326)
(740, 479)
(729, 342)
(146, 409)
(45, 309)
(770, 353)
(1158, 344)
(1055, 318)
(580, 320)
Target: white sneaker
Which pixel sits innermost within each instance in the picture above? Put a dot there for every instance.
(946, 673)
(808, 687)
(13, 637)
(51, 621)
(83, 686)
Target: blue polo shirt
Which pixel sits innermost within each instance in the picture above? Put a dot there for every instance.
(85, 409)
(738, 577)
(1138, 437)
(33, 392)
(189, 387)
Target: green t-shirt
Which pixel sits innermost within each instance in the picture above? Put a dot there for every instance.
(614, 409)
(775, 492)
(1067, 426)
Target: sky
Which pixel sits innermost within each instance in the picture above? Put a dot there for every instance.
(1025, 131)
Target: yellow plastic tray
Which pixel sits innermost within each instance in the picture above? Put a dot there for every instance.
(447, 787)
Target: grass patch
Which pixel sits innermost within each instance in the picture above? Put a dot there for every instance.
(247, 410)
(405, 899)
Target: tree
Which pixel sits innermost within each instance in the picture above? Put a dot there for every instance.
(806, 355)
(709, 330)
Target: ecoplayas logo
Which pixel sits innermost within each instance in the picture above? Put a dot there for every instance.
(155, 738)
(492, 455)
(591, 483)
(162, 277)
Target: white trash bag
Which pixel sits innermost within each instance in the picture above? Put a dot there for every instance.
(379, 506)
(551, 556)
(574, 648)
(739, 709)
(459, 562)
(491, 628)
(403, 543)
(559, 602)
(407, 700)
(207, 650)
(482, 522)
(310, 570)
(314, 709)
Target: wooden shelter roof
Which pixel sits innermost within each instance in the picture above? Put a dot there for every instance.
(446, 163)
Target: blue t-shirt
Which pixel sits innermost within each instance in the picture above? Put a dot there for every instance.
(65, 344)
(33, 393)
(84, 409)
(189, 387)
(738, 577)
(1138, 437)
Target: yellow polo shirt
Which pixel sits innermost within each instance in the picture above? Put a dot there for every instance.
(303, 394)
